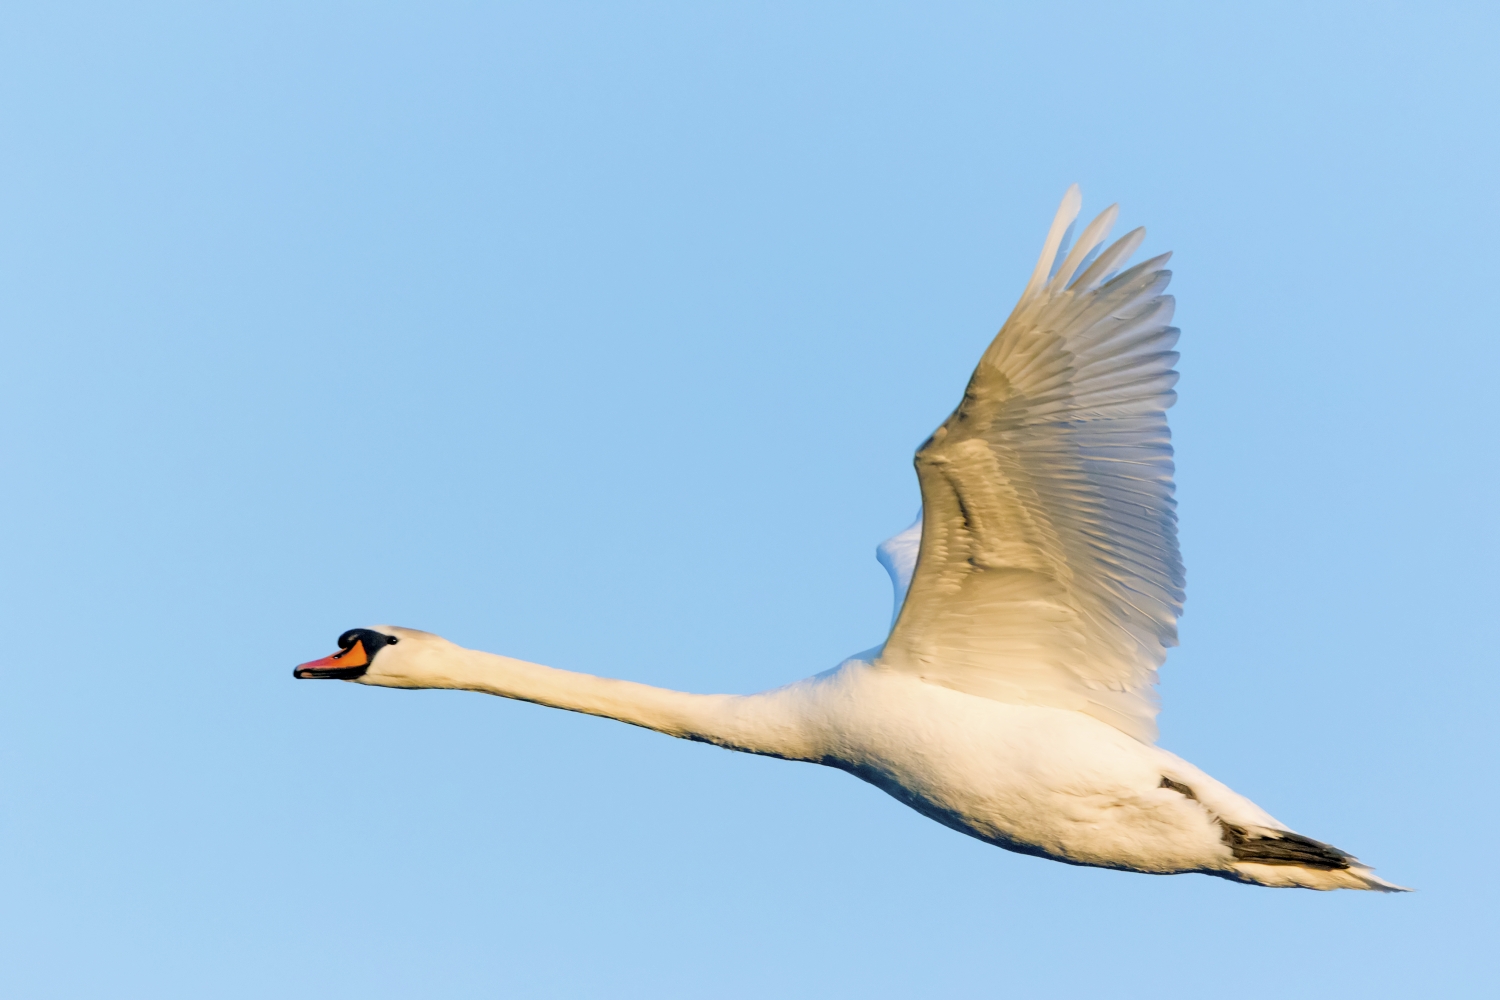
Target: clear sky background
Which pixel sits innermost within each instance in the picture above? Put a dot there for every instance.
(602, 335)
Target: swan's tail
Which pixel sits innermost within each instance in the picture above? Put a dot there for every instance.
(1285, 859)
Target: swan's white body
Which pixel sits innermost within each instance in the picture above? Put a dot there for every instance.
(1014, 698)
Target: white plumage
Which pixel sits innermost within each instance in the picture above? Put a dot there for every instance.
(1014, 699)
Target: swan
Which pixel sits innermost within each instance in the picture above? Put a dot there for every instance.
(1013, 699)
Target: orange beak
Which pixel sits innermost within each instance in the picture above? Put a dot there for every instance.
(343, 665)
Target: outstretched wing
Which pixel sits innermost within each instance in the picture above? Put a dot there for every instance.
(1048, 570)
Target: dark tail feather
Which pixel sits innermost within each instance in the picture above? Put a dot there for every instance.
(1284, 848)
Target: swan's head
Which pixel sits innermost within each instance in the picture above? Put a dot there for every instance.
(383, 655)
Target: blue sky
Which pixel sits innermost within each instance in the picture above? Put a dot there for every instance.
(602, 336)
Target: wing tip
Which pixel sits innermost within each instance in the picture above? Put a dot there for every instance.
(1067, 212)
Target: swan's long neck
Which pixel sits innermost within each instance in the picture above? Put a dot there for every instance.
(770, 723)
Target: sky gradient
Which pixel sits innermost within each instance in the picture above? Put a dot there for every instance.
(603, 338)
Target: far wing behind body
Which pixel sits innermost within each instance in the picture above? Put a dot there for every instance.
(1048, 570)
(898, 554)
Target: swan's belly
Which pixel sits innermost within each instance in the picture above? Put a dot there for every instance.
(1027, 778)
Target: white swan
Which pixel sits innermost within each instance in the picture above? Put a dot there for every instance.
(1014, 697)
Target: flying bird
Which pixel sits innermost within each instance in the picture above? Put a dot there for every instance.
(1014, 699)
